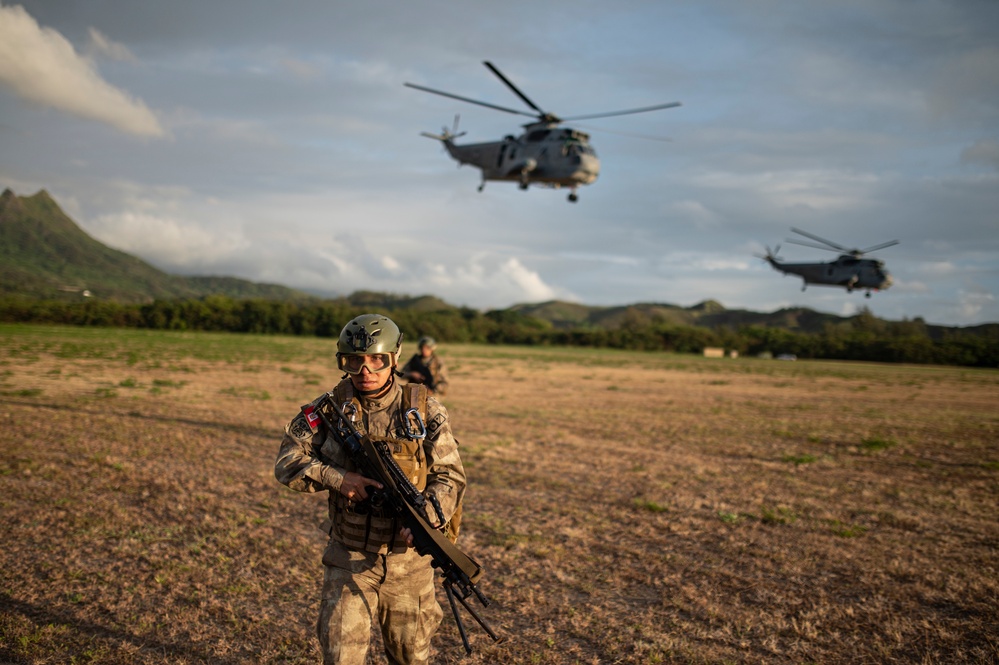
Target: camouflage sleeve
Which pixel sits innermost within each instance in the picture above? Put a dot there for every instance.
(446, 475)
(298, 464)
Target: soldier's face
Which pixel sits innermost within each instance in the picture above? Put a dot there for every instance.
(366, 381)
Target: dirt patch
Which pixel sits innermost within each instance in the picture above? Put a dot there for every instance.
(629, 508)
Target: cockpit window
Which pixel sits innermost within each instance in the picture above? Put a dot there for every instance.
(538, 135)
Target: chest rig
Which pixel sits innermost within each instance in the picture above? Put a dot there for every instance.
(360, 525)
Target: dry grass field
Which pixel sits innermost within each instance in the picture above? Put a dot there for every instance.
(627, 507)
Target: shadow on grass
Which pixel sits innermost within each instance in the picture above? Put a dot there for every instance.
(229, 427)
(89, 633)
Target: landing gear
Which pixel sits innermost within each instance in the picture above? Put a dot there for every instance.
(867, 295)
(482, 186)
(572, 197)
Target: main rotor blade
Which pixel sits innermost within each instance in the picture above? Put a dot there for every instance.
(647, 137)
(644, 109)
(881, 246)
(814, 245)
(470, 101)
(510, 85)
(822, 240)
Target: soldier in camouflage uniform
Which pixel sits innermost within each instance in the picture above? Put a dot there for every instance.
(372, 575)
(426, 368)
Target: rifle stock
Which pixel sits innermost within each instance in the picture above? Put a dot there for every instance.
(460, 573)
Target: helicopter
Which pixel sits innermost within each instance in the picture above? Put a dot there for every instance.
(546, 154)
(849, 270)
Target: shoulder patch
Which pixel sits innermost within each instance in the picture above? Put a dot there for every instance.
(299, 428)
(436, 422)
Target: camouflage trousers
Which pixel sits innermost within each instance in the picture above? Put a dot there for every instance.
(360, 589)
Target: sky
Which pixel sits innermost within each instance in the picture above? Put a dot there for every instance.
(276, 142)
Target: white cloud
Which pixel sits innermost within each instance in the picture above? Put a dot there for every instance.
(165, 240)
(971, 304)
(100, 44)
(490, 281)
(41, 66)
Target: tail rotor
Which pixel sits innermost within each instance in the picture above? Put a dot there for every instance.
(771, 256)
(446, 134)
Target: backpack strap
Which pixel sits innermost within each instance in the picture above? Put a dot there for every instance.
(414, 396)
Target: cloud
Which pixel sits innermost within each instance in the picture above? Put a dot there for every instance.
(487, 281)
(177, 232)
(102, 45)
(971, 304)
(165, 240)
(41, 66)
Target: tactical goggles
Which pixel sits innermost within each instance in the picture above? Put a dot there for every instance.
(353, 363)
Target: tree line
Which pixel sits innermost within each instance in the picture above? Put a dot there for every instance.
(863, 337)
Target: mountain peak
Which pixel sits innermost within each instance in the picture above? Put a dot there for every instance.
(708, 307)
(45, 254)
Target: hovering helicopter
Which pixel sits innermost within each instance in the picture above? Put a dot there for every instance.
(545, 154)
(849, 270)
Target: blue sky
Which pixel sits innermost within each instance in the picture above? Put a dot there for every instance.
(277, 143)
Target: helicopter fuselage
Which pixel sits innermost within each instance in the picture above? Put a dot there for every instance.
(846, 271)
(547, 156)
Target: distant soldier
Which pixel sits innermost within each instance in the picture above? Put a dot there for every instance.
(372, 574)
(426, 368)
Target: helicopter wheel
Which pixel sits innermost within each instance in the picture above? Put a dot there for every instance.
(573, 197)
(867, 295)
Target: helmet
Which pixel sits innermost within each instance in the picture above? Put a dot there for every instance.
(369, 335)
(428, 342)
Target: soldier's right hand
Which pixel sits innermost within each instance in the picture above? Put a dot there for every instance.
(354, 484)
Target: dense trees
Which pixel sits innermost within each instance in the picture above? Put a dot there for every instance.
(863, 337)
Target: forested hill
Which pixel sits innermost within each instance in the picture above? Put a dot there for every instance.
(45, 255)
(708, 314)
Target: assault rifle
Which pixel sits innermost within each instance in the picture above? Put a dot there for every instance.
(423, 370)
(401, 498)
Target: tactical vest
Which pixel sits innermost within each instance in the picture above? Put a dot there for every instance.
(359, 525)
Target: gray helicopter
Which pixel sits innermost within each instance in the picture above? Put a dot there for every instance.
(849, 270)
(544, 155)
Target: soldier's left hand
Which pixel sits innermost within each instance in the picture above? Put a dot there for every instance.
(407, 535)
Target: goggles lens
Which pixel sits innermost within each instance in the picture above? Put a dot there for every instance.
(354, 363)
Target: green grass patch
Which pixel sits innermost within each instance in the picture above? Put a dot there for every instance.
(844, 530)
(167, 383)
(779, 515)
(873, 444)
(247, 393)
(651, 506)
(800, 459)
(23, 392)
